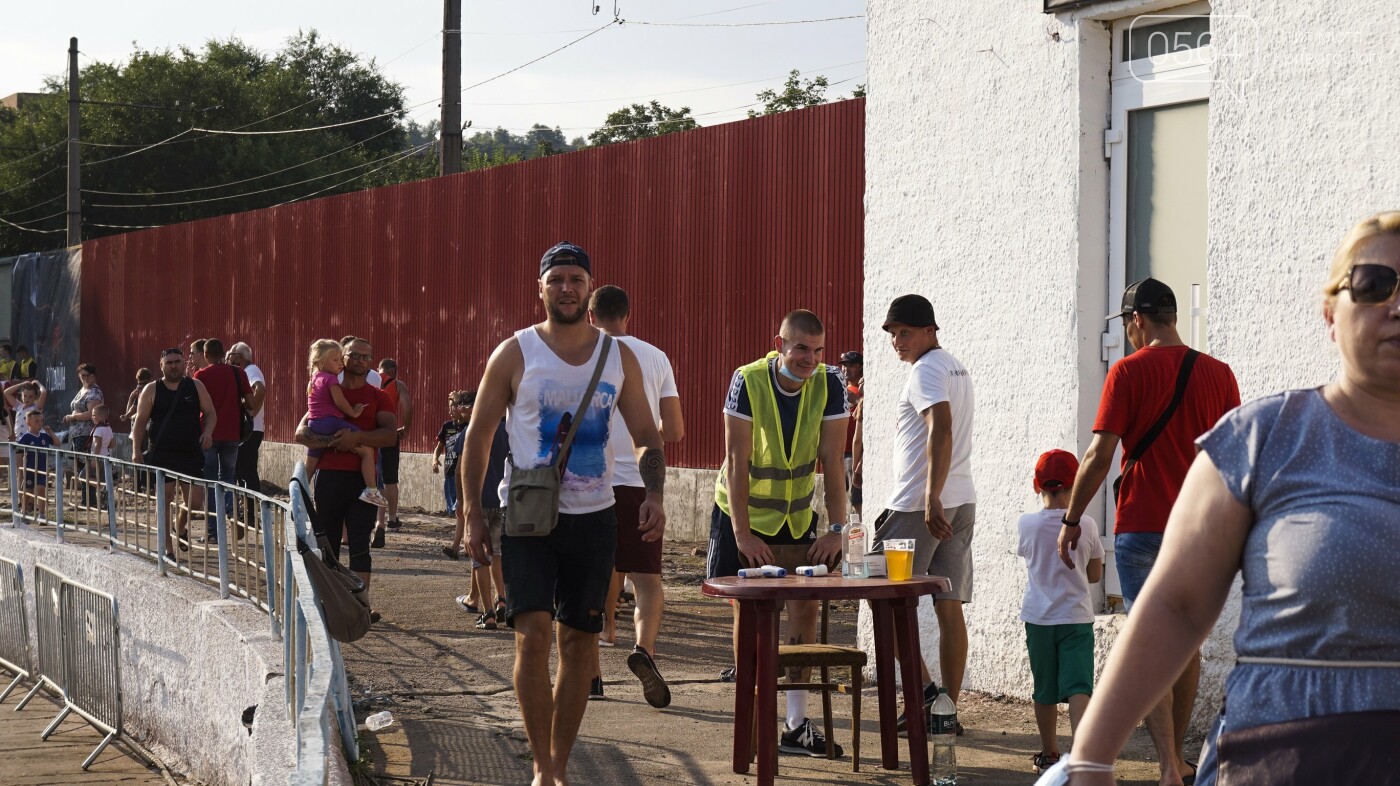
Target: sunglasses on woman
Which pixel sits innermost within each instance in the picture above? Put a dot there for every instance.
(1372, 285)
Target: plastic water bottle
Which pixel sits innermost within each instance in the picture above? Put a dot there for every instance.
(944, 729)
(378, 720)
(853, 560)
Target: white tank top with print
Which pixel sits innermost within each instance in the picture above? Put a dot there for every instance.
(550, 389)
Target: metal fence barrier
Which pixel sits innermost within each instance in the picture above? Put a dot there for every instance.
(91, 662)
(14, 625)
(239, 541)
(48, 627)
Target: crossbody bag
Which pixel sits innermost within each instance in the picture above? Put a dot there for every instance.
(532, 504)
(1183, 376)
(165, 421)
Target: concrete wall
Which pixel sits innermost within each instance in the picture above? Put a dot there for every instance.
(690, 493)
(986, 192)
(190, 665)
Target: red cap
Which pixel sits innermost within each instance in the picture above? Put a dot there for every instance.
(1055, 469)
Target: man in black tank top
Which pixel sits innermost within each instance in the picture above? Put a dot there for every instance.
(169, 411)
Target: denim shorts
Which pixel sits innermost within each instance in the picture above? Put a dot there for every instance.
(1135, 554)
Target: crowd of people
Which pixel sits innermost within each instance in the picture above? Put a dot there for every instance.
(1298, 491)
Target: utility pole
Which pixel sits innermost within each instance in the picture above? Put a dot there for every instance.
(450, 134)
(75, 207)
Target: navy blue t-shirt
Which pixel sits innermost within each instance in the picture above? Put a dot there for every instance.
(495, 466)
(737, 403)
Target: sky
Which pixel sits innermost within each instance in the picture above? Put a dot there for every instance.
(575, 89)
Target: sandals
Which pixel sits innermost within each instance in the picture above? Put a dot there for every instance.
(1044, 761)
(451, 552)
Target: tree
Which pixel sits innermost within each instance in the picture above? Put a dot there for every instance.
(859, 92)
(795, 95)
(640, 121)
(193, 174)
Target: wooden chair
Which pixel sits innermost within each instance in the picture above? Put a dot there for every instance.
(826, 657)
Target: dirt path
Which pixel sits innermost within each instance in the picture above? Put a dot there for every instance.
(448, 687)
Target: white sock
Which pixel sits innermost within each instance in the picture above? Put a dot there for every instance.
(797, 708)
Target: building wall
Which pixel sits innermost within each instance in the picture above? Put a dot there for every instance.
(715, 233)
(986, 192)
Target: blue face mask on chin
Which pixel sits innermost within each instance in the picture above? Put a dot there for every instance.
(782, 369)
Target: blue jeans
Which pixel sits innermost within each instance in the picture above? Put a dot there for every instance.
(221, 464)
(1136, 553)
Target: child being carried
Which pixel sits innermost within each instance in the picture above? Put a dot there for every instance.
(327, 411)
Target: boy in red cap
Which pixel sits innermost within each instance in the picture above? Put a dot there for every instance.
(1057, 609)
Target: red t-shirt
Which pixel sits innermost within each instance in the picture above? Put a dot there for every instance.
(1136, 393)
(375, 401)
(225, 384)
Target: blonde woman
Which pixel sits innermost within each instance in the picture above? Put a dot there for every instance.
(1300, 492)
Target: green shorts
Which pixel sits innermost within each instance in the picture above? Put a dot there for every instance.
(1062, 661)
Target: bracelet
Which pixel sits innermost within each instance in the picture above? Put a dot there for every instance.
(1065, 521)
(1073, 766)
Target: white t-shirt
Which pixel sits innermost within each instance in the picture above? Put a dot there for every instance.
(936, 377)
(372, 379)
(1056, 595)
(103, 434)
(255, 375)
(659, 381)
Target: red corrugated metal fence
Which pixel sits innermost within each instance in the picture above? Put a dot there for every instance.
(714, 233)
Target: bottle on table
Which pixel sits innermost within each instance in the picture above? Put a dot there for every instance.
(944, 728)
(853, 558)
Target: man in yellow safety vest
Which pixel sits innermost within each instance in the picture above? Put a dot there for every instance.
(784, 412)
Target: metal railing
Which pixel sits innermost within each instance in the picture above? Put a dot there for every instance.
(239, 541)
(14, 625)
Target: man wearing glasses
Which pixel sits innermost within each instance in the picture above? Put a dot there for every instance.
(169, 410)
(338, 479)
(1136, 408)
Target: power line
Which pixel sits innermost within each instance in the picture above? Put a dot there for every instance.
(745, 24)
(29, 182)
(122, 226)
(165, 141)
(38, 152)
(39, 231)
(37, 220)
(543, 56)
(400, 157)
(36, 204)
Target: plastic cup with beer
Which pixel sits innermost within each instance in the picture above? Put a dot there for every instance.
(899, 558)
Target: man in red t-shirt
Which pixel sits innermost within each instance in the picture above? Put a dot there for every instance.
(339, 508)
(229, 390)
(1137, 392)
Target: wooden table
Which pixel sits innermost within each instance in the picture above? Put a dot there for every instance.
(894, 606)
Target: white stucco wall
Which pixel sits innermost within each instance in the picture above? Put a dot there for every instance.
(986, 192)
(190, 665)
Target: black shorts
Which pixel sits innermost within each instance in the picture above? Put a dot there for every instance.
(389, 465)
(566, 572)
(724, 558)
(184, 462)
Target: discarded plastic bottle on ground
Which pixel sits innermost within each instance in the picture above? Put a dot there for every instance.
(853, 560)
(378, 720)
(944, 729)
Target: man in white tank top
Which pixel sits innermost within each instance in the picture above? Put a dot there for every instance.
(638, 553)
(536, 379)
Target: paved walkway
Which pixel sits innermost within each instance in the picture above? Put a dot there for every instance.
(30, 760)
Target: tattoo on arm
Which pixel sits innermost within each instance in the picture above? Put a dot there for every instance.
(652, 466)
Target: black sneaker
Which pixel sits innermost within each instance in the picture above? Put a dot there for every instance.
(728, 675)
(377, 542)
(930, 695)
(393, 524)
(805, 739)
(595, 690)
(654, 687)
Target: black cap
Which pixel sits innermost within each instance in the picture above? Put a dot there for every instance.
(564, 253)
(1148, 296)
(911, 310)
(852, 358)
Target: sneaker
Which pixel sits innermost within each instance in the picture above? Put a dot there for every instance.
(373, 617)
(654, 687)
(377, 542)
(595, 690)
(392, 523)
(486, 621)
(373, 497)
(930, 695)
(728, 675)
(1044, 761)
(806, 740)
(461, 601)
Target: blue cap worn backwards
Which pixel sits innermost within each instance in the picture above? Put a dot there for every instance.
(564, 253)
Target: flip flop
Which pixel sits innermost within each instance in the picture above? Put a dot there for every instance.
(1189, 780)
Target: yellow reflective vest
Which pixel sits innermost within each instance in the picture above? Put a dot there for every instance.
(781, 484)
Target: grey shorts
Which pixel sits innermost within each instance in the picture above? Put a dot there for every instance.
(951, 558)
(495, 522)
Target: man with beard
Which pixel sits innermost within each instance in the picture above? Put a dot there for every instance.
(170, 409)
(538, 378)
(338, 478)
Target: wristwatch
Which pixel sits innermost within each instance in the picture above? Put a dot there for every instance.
(835, 527)
(1068, 523)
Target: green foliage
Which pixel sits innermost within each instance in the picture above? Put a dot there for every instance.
(796, 94)
(225, 85)
(640, 121)
(859, 92)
